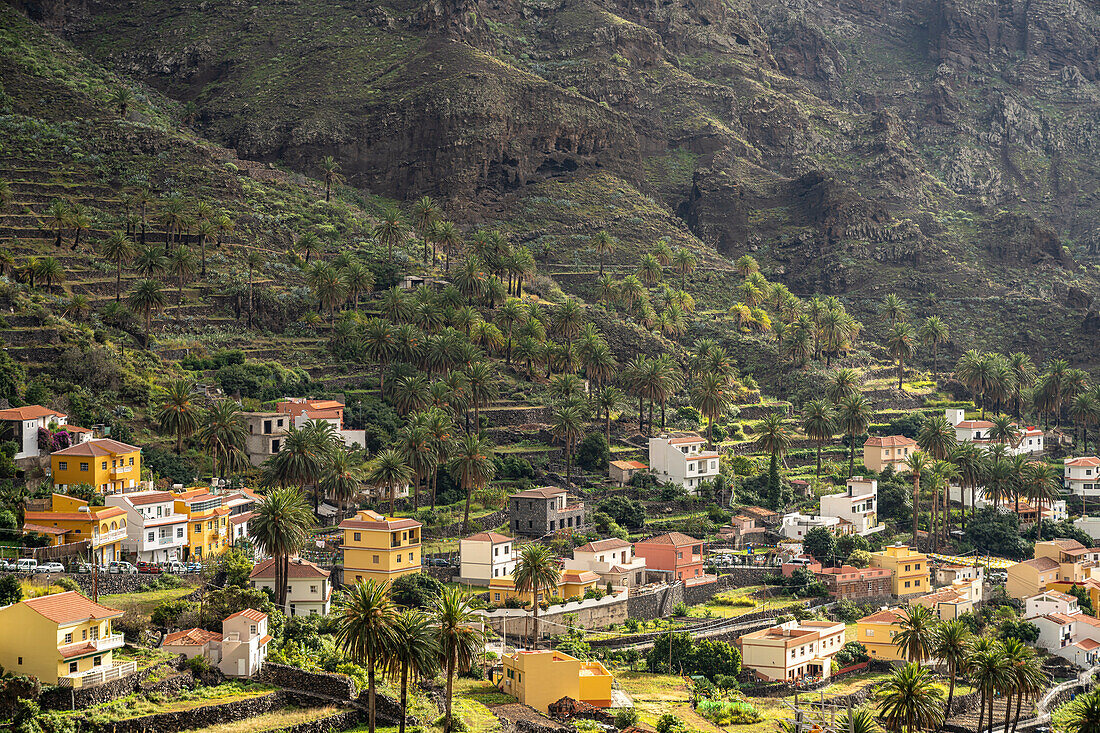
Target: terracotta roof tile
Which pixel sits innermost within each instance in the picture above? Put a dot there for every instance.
(627, 465)
(97, 448)
(671, 538)
(888, 441)
(69, 607)
(297, 568)
(885, 616)
(542, 492)
(249, 613)
(609, 544)
(494, 537)
(191, 637)
(29, 412)
(1083, 461)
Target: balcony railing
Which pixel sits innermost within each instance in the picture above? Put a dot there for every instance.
(98, 676)
(112, 641)
(104, 538)
(122, 471)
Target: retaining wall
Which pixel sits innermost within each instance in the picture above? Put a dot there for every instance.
(67, 698)
(336, 686)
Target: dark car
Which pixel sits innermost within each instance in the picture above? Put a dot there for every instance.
(148, 568)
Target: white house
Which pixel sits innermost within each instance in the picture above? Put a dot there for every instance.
(1082, 476)
(303, 410)
(1089, 525)
(155, 531)
(612, 559)
(1063, 629)
(858, 505)
(21, 424)
(682, 460)
(309, 590)
(486, 555)
(1050, 601)
(239, 651)
(795, 526)
(1027, 440)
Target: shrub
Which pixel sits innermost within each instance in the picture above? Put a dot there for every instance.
(626, 717)
(68, 583)
(593, 453)
(669, 723)
(199, 665)
(132, 624)
(729, 712)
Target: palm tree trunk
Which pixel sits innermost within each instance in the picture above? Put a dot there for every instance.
(370, 691)
(1016, 718)
(916, 505)
(535, 615)
(851, 455)
(568, 464)
(466, 514)
(1008, 710)
(202, 248)
(118, 282)
(901, 370)
(641, 413)
(816, 475)
(950, 697)
(393, 498)
(607, 427)
(981, 714)
(450, 692)
(250, 297)
(404, 696)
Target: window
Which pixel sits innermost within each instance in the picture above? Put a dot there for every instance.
(62, 465)
(84, 634)
(496, 596)
(69, 638)
(357, 536)
(72, 667)
(252, 629)
(103, 465)
(410, 557)
(97, 661)
(131, 460)
(312, 589)
(907, 584)
(151, 536)
(83, 466)
(179, 531)
(870, 632)
(376, 559)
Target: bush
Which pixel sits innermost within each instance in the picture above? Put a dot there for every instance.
(200, 665)
(669, 723)
(680, 609)
(593, 453)
(728, 712)
(68, 583)
(418, 590)
(626, 512)
(626, 717)
(132, 624)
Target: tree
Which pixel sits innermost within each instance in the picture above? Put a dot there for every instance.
(330, 174)
(536, 573)
(280, 529)
(366, 630)
(341, 476)
(843, 383)
(894, 308)
(567, 424)
(1083, 715)
(78, 308)
(253, 261)
(853, 419)
(417, 590)
(711, 657)
(387, 471)
(627, 512)
(899, 344)
(607, 400)
(426, 212)
(121, 98)
(711, 395)
(457, 638)
(301, 460)
(390, 230)
(414, 653)
(910, 699)
(593, 453)
(857, 721)
(223, 435)
(604, 244)
(950, 646)
(988, 669)
(819, 423)
(49, 271)
(933, 332)
(472, 466)
(917, 633)
(118, 249)
(821, 544)
(671, 653)
(10, 590)
(177, 412)
(649, 271)
(147, 297)
(919, 464)
(746, 265)
(685, 262)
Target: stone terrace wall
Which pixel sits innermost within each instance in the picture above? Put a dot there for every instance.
(337, 686)
(62, 698)
(197, 717)
(111, 584)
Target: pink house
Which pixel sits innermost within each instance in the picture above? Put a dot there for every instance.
(675, 553)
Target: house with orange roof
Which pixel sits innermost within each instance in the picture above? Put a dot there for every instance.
(484, 556)
(613, 560)
(621, 472)
(1082, 476)
(1024, 441)
(238, 651)
(877, 632)
(208, 532)
(1031, 577)
(683, 460)
(380, 547)
(70, 520)
(947, 603)
(21, 425)
(677, 555)
(108, 465)
(540, 678)
(62, 639)
(744, 529)
(309, 590)
(155, 531)
(792, 650)
(888, 450)
(571, 584)
(303, 409)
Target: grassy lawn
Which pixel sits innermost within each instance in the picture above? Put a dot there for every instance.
(270, 721)
(139, 705)
(743, 603)
(657, 694)
(144, 603)
(145, 658)
(848, 685)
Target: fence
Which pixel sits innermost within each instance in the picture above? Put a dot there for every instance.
(98, 676)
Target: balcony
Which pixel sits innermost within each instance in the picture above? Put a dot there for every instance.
(106, 538)
(123, 471)
(171, 541)
(111, 641)
(98, 676)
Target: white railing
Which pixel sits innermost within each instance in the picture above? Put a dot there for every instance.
(112, 641)
(171, 540)
(98, 676)
(113, 535)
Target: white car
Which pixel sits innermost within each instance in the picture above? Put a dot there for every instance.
(121, 566)
(51, 567)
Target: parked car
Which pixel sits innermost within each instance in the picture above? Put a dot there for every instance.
(149, 568)
(83, 567)
(122, 567)
(439, 562)
(194, 567)
(26, 565)
(51, 567)
(175, 566)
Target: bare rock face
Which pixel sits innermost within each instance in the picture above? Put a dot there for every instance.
(1021, 239)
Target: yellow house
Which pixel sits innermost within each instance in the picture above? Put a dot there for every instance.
(62, 639)
(1091, 586)
(792, 650)
(877, 632)
(1031, 577)
(540, 678)
(571, 584)
(72, 520)
(911, 575)
(947, 604)
(1076, 562)
(108, 465)
(208, 532)
(378, 547)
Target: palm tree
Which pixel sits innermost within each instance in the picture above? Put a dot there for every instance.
(685, 262)
(988, 669)
(387, 471)
(937, 437)
(1017, 683)
(224, 434)
(118, 249)
(458, 639)
(147, 297)
(893, 308)
(649, 271)
(973, 465)
(1084, 713)
(933, 332)
(150, 262)
(746, 265)
(607, 400)
(853, 419)
(910, 699)
(358, 279)
(857, 721)
(842, 383)
(380, 343)
(919, 464)
(1043, 483)
(604, 245)
(567, 423)
(414, 653)
(1083, 411)
(308, 243)
(472, 466)
(819, 424)
(390, 230)
(951, 646)
(49, 271)
(280, 529)
(181, 263)
(253, 261)
(177, 412)
(975, 370)
(300, 461)
(341, 476)
(425, 213)
(481, 382)
(917, 633)
(121, 98)
(366, 630)
(536, 573)
(58, 214)
(899, 343)
(78, 308)
(711, 395)
(1023, 372)
(330, 174)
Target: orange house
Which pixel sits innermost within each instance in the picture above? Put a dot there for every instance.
(675, 553)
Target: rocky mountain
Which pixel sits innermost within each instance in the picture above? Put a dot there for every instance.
(940, 148)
